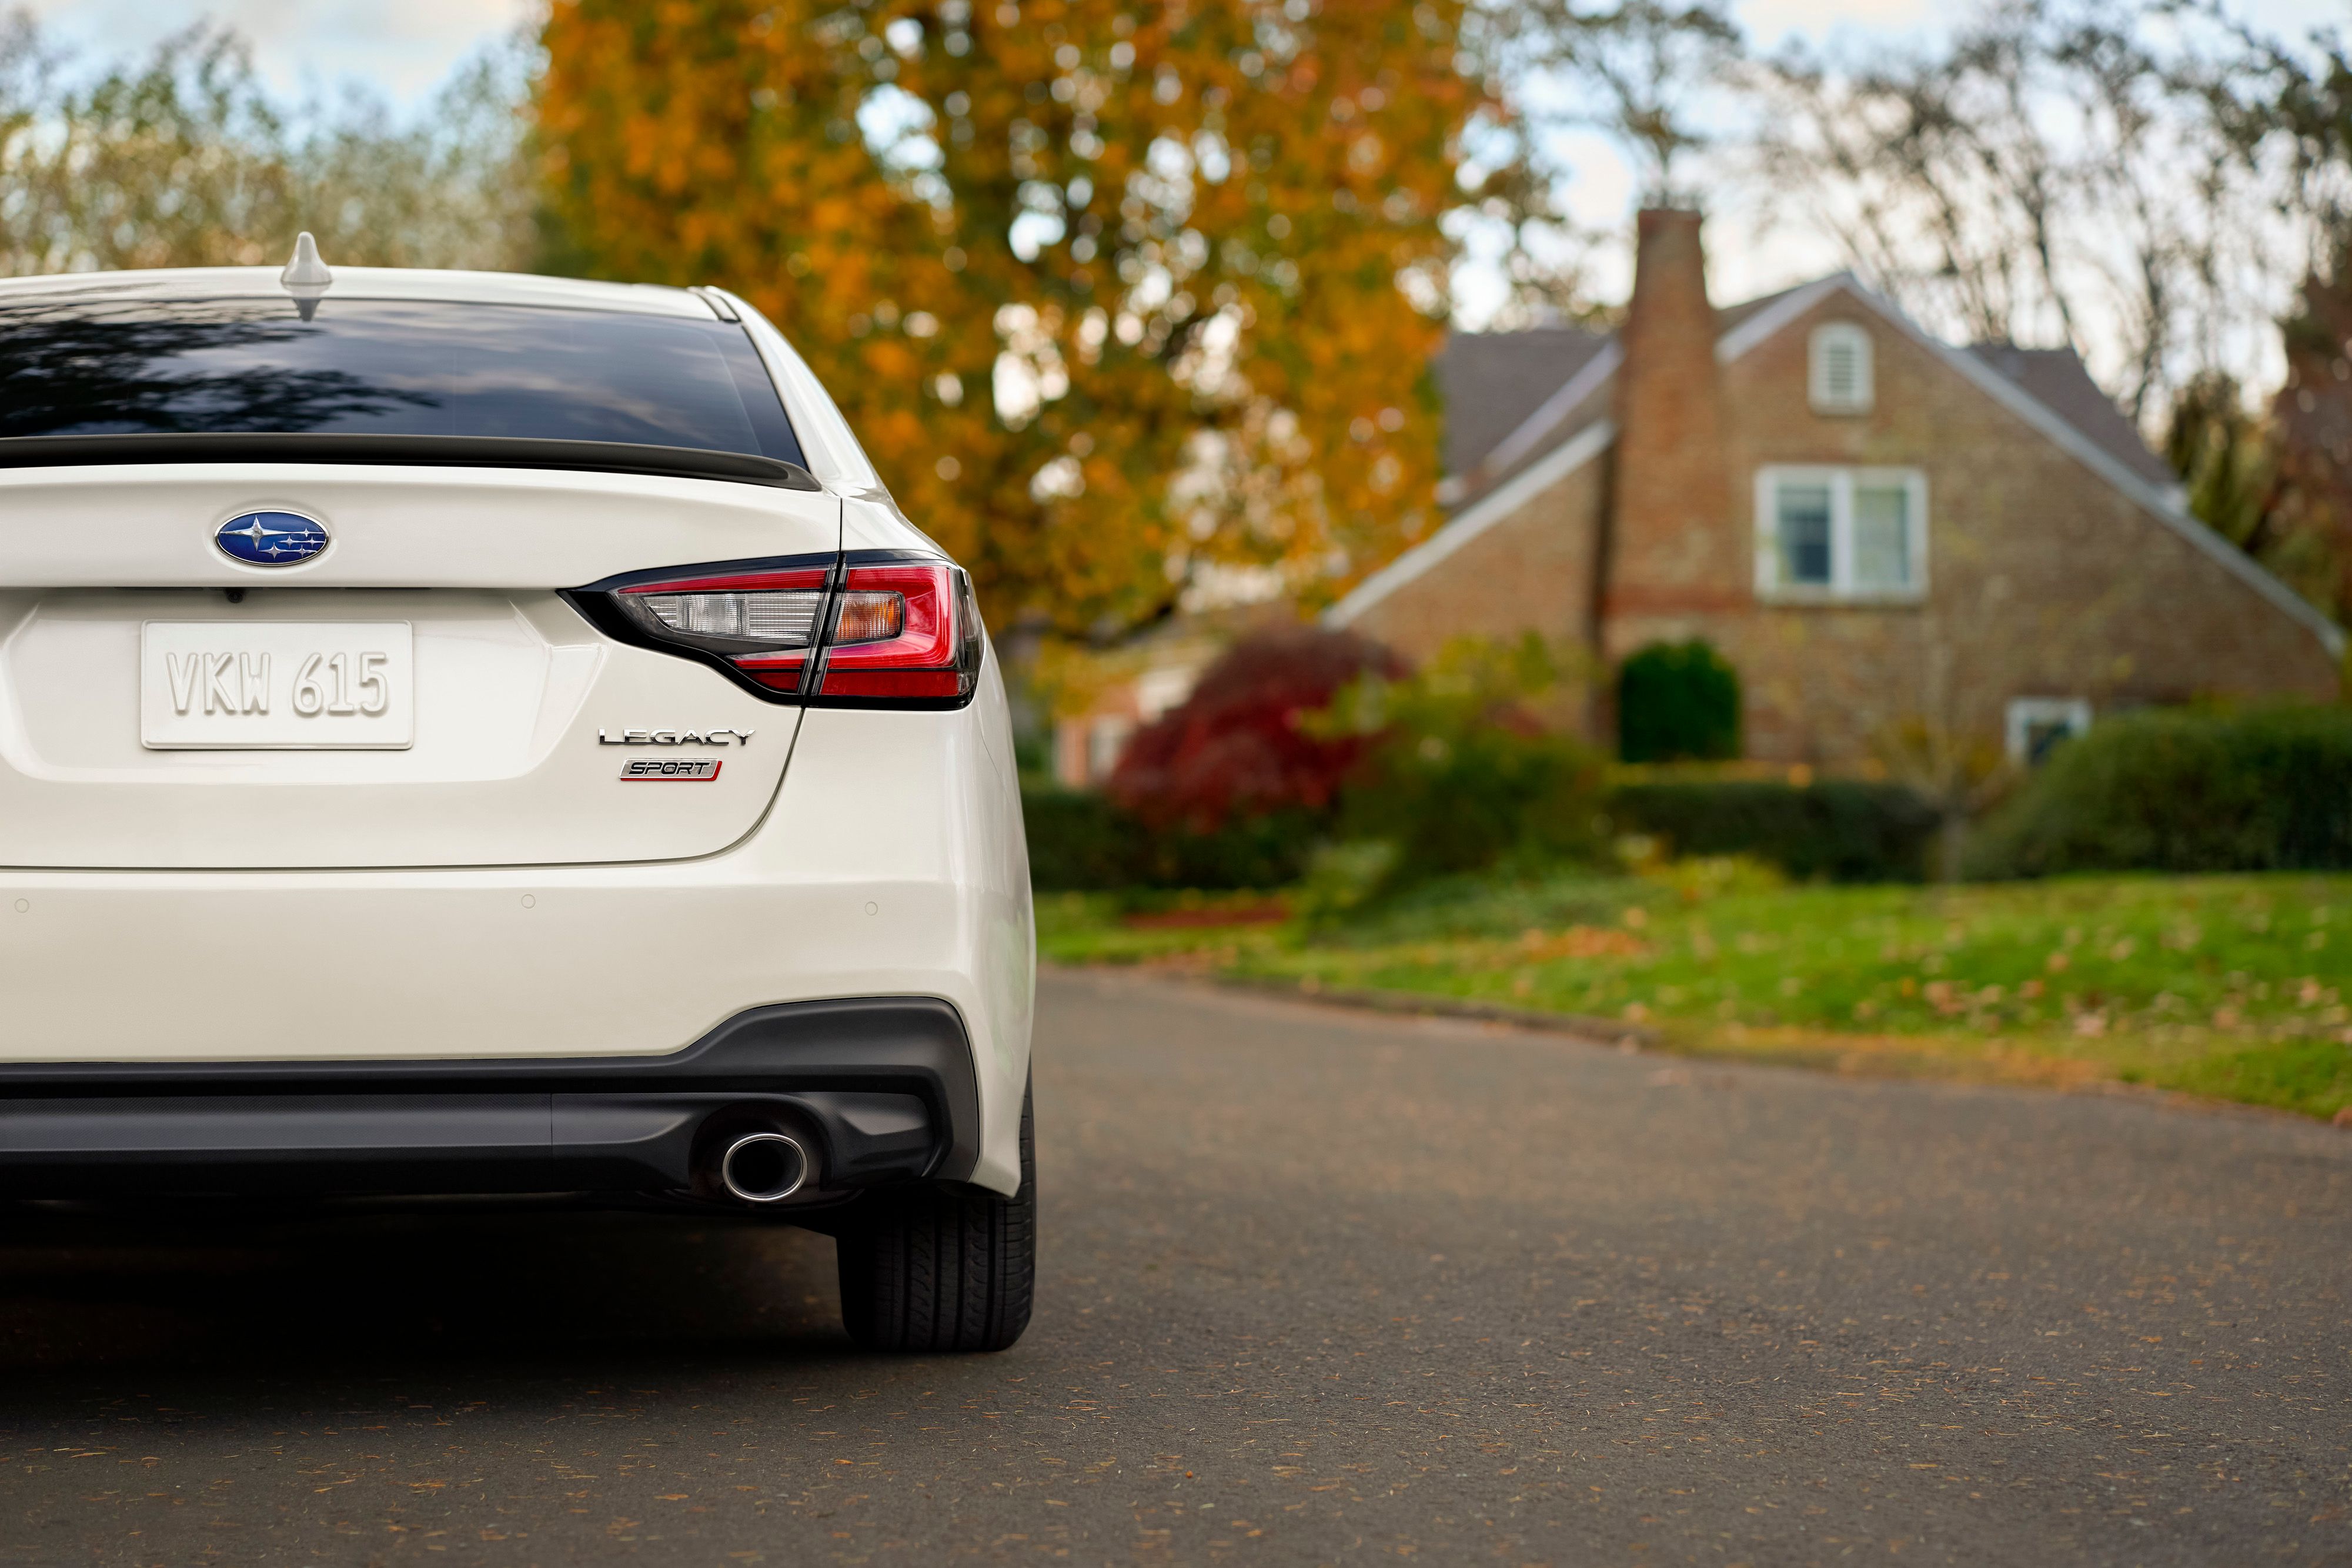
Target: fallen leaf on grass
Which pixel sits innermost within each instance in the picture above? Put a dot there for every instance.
(1583, 942)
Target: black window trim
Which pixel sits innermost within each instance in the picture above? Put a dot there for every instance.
(417, 451)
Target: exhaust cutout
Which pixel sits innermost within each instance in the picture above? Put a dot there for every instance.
(764, 1168)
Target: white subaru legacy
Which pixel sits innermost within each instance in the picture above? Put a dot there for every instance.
(475, 734)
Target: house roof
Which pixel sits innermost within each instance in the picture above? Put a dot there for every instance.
(1510, 397)
(1730, 317)
(2058, 380)
(1493, 380)
(1496, 382)
(2048, 389)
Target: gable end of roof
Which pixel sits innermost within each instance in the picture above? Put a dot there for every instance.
(2162, 506)
(1473, 520)
(1768, 319)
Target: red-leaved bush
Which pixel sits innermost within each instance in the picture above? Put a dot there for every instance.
(1235, 748)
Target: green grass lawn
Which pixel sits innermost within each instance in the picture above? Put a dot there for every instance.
(2228, 987)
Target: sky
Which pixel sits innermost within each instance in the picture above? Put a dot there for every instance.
(401, 49)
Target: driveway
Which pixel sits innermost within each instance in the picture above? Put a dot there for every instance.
(1317, 1287)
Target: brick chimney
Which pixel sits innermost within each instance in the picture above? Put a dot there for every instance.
(1674, 557)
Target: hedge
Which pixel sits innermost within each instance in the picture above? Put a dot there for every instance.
(1833, 830)
(1837, 830)
(1083, 843)
(2183, 790)
(2166, 790)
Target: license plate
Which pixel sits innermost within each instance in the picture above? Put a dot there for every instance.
(295, 685)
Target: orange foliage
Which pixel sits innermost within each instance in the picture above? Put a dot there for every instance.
(1230, 369)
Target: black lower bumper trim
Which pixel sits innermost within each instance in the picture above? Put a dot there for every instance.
(885, 1088)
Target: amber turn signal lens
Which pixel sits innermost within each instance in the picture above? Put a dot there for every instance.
(870, 617)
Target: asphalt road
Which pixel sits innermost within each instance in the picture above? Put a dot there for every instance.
(1316, 1287)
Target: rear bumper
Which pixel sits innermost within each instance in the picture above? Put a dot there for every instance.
(890, 866)
(880, 1091)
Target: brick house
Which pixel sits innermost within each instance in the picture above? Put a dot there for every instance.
(1161, 669)
(1878, 530)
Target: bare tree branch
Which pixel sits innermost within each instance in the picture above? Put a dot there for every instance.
(2061, 172)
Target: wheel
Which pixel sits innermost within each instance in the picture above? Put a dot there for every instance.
(943, 1268)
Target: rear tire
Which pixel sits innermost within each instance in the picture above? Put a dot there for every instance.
(943, 1268)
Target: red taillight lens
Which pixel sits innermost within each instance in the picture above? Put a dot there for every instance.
(884, 633)
(901, 634)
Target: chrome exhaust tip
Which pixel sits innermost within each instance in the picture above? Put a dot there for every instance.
(764, 1168)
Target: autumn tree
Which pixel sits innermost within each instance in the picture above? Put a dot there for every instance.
(2278, 481)
(1123, 300)
(2301, 107)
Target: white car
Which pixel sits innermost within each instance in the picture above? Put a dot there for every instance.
(474, 734)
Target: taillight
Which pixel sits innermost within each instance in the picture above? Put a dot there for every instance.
(904, 633)
(763, 623)
(879, 628)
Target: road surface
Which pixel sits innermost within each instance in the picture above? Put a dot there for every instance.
(1317, 1287)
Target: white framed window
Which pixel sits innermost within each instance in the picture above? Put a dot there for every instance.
(2038, 724)
(1841, 534)
(1838, 369)
(1105, 739)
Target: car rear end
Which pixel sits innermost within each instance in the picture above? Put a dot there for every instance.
(469, 735)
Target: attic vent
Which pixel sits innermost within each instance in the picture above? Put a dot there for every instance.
(1840, 366)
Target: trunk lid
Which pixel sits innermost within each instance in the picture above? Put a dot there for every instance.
(512, 745)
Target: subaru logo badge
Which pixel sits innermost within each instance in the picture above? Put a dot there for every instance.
(271, 539)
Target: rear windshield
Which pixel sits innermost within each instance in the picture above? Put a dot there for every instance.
(375, 367)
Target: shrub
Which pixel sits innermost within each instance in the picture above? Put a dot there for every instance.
(1482, 795)
(2183, 790)
(1677, 702)
(1085, 842)
(1834, 829)
(1462, 776)
(1078, 842)
(1236, 748)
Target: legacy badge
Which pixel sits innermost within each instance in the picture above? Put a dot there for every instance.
(674, 738)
